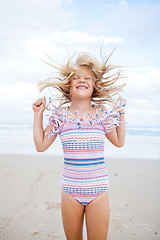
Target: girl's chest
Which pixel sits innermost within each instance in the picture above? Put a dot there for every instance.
(82, 132)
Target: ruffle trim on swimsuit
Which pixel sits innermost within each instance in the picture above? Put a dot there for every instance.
(109, 119)
(113, 117)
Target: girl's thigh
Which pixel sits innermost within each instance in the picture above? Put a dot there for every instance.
(72, 216)
(97, 217)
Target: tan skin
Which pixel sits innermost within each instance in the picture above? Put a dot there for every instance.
(97, 211)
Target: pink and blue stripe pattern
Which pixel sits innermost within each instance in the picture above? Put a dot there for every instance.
(85, 175)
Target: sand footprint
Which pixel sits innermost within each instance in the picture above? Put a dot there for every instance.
(51, 205)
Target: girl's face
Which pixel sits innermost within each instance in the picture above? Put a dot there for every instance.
(81, 86)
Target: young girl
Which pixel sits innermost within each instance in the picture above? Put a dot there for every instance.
(83, 126)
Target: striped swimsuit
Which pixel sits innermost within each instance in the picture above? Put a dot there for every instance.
(84, 174)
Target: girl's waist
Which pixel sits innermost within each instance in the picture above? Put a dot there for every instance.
(84, 169)
(93, 161)
(84, 157)
(84, 172)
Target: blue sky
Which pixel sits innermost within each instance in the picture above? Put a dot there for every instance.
(31, 27)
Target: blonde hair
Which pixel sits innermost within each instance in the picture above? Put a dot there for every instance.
(103, 80)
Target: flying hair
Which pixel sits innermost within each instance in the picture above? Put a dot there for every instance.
(105, 77)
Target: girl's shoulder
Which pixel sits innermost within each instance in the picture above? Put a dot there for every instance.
(101, 109)
(114, 106)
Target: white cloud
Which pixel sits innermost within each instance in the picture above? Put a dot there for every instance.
(142, 117)
(21, 16)
(123, 3)
(136, 101)
(137, 22)
(20, 61)
(20, 94)
(145, 81)
(33, 26)
(142, 94)
(69, 37)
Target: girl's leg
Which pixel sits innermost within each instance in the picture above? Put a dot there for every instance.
(97, 217)
(72, 216)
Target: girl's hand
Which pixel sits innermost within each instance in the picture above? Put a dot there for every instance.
(121, 111)
(39, 105)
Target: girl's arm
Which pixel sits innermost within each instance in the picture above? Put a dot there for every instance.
(42, 142)
(117, 136)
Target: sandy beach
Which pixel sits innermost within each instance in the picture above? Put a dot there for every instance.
(30, 195)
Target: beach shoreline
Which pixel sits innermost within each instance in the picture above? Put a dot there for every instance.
(31, 196)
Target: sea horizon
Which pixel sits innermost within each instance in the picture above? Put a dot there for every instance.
(142, 142)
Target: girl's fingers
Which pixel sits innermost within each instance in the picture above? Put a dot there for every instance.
(44, 102)
(38, 102)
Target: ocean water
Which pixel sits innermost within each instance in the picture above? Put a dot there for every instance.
(141, 142)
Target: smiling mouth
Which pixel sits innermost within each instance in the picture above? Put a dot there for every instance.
(82, 87)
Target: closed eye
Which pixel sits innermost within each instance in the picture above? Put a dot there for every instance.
(75, 78)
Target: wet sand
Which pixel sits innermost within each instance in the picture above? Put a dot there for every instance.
(30, 194)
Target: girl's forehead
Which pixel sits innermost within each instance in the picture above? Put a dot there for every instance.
(83, 71)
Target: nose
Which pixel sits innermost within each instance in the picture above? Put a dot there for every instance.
(81, 79)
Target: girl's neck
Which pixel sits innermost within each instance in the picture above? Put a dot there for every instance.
(81, 106)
